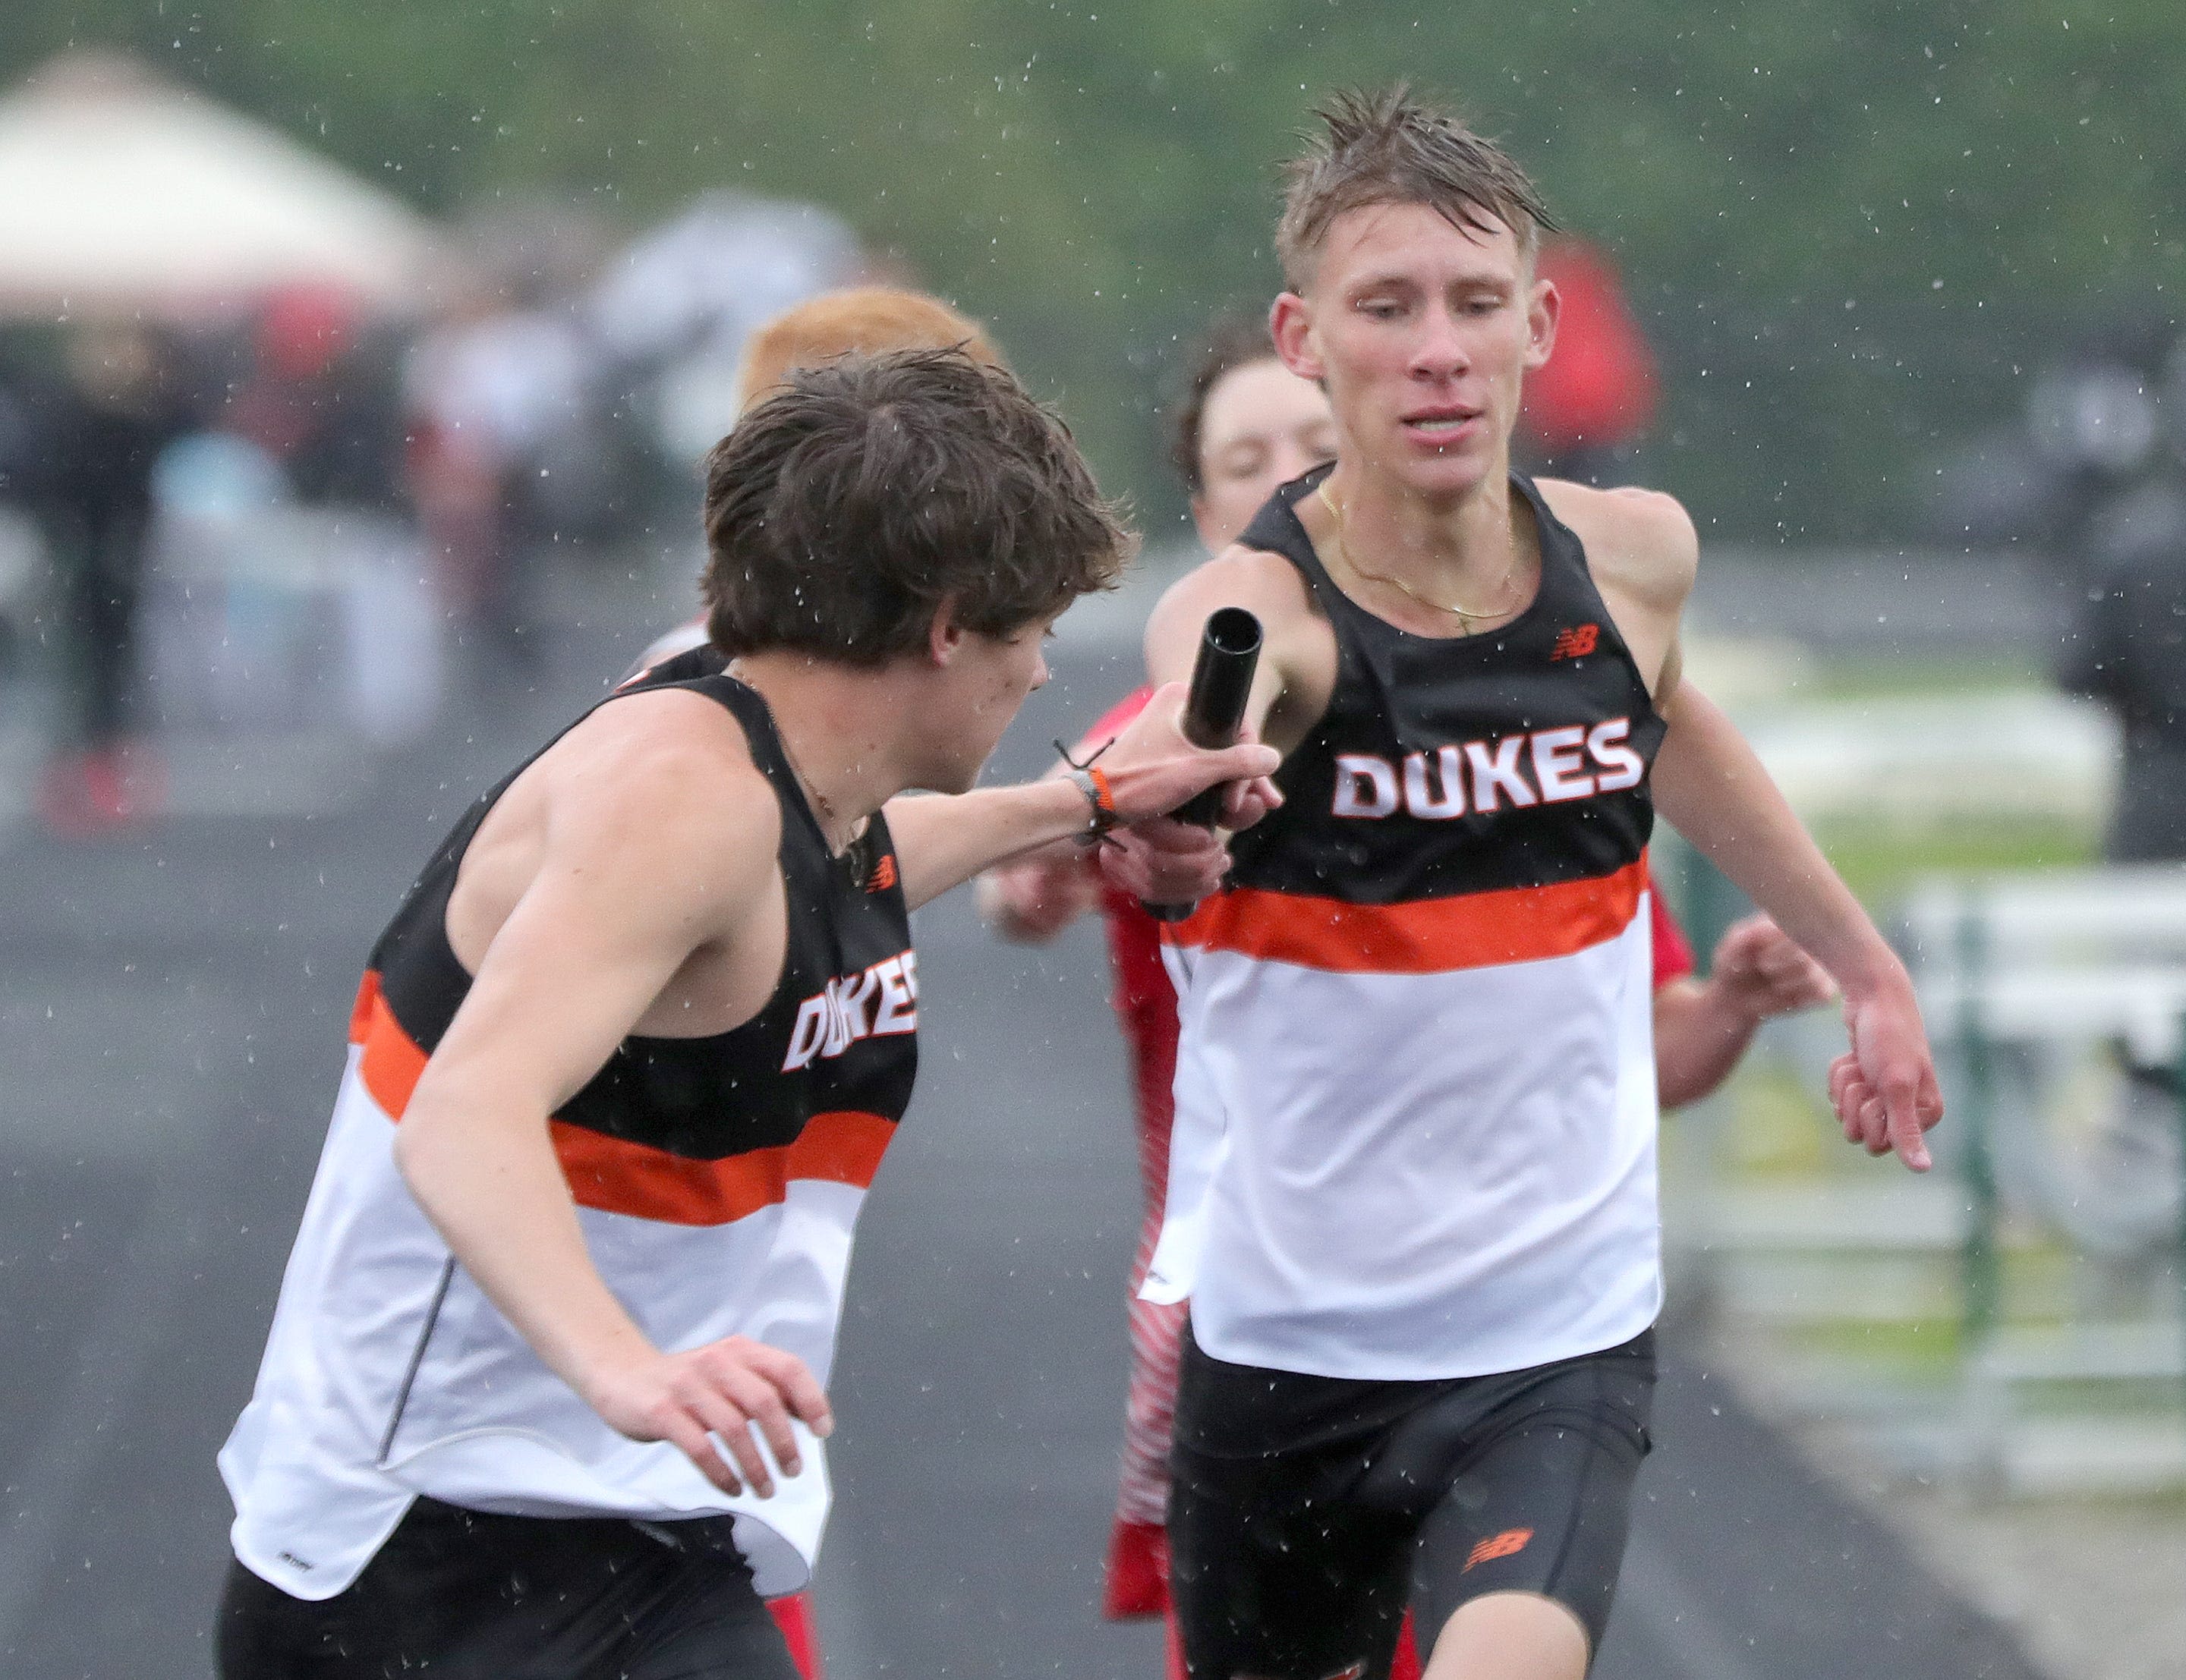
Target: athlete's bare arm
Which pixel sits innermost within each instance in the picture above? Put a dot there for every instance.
(1712, 788)
(1709, 785)
(942, 841)
(1034, 896)
(628, 880)
(1702, 1026)
(1031, 897)
(1297, 672)
(1291, 686)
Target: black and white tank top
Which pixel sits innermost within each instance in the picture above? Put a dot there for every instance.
(1415, 1105)
(717, 1180)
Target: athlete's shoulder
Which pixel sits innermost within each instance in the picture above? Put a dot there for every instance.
(1640, 540)
(666, 780)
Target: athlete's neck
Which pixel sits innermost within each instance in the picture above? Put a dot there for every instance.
(1468, 550)
(832, 725)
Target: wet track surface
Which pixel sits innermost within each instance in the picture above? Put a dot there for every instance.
(172, 1007)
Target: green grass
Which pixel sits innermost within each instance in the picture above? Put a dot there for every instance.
(1881, 856)
(1919, 1351)
(1776, 1127)
(1880, 860)
(1860, 677)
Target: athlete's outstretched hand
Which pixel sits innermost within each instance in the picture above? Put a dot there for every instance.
(719, 1392)
(1884, 1088)
(1151, 769)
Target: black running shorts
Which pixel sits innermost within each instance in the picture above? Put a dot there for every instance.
(1305, 1511)
(464, 1596)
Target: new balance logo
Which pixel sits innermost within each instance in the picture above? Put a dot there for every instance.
(879, 1003)
(1507, 1544)
(884, 875)
(1575, 643)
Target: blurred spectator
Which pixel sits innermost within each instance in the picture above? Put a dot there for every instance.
(2090, 433)
(100, 430)
(319, 399)
(2128, 649)
(486, 391)
(1595, 397)
(22, 547)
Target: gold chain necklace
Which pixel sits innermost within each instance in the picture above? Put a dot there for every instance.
(1468, 617)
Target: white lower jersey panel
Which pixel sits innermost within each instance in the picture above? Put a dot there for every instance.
(1413, 1176)
(357, 1409)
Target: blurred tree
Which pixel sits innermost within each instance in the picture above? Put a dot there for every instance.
(1852, 230)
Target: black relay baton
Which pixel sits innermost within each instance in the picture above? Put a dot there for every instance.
(1214, 712)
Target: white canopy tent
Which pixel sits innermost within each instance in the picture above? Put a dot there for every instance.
(119, 190)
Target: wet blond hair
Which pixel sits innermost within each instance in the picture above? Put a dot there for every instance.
(1392, 147)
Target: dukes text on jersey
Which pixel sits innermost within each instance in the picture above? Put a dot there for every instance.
(881, 1001)
(1541, 766)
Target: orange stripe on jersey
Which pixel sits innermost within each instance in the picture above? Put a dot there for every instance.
(1427, 936)
(360, 1014)
(617, 1176)
(392, 1061)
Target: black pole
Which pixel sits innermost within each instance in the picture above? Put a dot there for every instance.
(1215, 711)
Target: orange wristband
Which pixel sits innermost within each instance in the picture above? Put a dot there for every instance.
(1100, 800)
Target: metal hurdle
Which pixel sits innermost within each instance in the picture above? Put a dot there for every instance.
(2033, 965)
